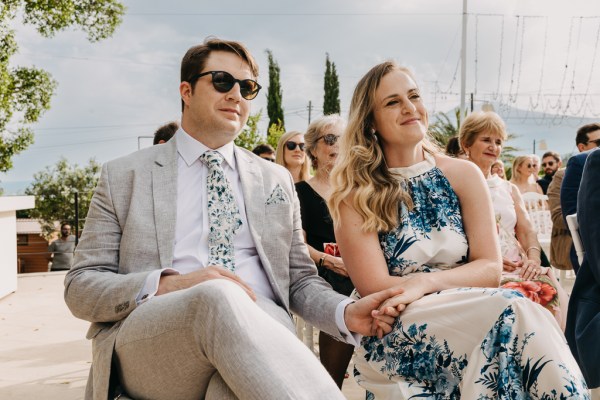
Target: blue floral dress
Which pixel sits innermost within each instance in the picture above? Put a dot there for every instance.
(464, 343)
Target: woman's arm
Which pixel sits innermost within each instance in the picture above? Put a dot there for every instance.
(336, 264)
(367, 267)
(527, 237)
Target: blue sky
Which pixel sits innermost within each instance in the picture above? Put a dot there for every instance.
(530, 55)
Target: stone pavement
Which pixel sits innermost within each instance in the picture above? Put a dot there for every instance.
(43, 350)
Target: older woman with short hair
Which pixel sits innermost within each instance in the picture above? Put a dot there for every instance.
(322, 149)
(482, 135)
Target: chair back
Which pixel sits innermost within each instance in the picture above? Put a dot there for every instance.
(537, 207)
(574, 229)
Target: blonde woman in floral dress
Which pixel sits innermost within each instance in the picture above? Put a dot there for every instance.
(482, 135)
(407, 216)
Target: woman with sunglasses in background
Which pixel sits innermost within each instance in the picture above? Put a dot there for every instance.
(322, 149)
(523, 169)
(290, 153)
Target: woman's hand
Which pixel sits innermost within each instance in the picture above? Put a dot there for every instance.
(511, 266)
(336, 264)
(531, 269)
(413, 289)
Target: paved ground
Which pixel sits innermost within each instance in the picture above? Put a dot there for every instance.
(43, 350)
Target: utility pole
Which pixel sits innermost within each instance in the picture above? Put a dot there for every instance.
(76, 218)
(463, 60)
(471, 101)
(309, 110)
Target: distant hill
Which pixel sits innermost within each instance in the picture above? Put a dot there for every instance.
(14, 188)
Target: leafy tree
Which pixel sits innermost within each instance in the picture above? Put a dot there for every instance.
(25, 92)
(331, 100)
(275, 133)
(54, 189)
(274, 94)
(249, 137)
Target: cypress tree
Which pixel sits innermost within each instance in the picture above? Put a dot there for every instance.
(274, 94)
(331, 100)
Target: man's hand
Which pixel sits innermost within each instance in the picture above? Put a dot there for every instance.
(364, 316)
(171, 283)
(336, 264)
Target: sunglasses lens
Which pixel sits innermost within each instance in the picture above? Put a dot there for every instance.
(249, 89)
(292, 146)
(222, 81)
(330, 139)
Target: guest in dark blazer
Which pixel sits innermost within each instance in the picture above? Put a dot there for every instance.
(588, 138)
(583, 318)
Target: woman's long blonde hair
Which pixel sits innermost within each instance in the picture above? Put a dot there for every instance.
(361, 173)
(280, 159)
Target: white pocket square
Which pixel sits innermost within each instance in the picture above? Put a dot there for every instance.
(278, 196)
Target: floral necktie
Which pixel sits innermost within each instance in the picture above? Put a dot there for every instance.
(223, 213)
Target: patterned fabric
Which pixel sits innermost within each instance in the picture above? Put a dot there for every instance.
(223, 213)
(542, 290)
(277, 196)
(469, 343)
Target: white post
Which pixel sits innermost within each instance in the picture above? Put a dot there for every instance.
(463, 61)
(8, 239)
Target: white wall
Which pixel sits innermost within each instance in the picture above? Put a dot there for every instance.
(8, 240)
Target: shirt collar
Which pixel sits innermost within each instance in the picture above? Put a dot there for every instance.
(191, 149)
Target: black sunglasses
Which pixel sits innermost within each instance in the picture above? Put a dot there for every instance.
(597, 141)
(549, 163)
(329, 139)
(223, 82)
(291, 146)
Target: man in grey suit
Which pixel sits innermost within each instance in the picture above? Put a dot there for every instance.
(166, 322)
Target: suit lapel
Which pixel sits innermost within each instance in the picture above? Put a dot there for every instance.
(254, 193)
(164, 191)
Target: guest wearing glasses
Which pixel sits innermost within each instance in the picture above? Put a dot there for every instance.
(193, 260)
(265, 151)
(322, 150)
(587, 140)
(523, 169)
(290, 153)
(551, 162)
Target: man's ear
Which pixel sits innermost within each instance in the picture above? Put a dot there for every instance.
(580, 147)
(185, 91)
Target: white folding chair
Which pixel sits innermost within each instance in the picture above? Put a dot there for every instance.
(574, 229)
(537, 207)
(305, 333)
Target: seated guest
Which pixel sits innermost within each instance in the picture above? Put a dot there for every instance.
(587, 138)
(482, 135)
(551, 162)
(407, 215)
(523, 169)
(583, 320)
(322, 150)
(165, 133)
(560, 239)
(453, 148)
(265, 151)
(498, 169)
(290, 153)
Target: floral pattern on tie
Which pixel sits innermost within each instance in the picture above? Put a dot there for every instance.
(223, 213)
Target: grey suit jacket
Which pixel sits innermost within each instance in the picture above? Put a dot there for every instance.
(130, 230)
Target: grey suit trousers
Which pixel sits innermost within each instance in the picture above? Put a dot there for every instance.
(212, 338)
